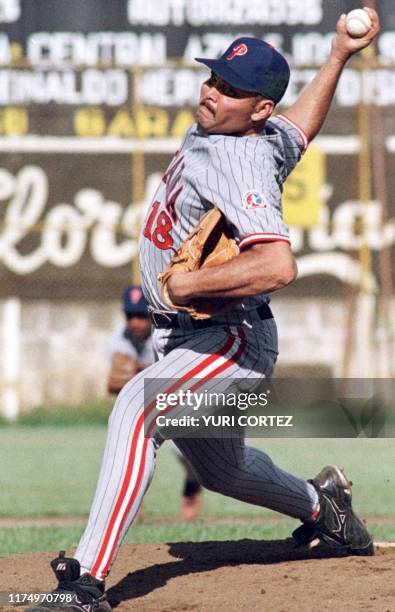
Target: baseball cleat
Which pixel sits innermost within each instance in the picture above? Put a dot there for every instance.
(74, 593)
(337, 524)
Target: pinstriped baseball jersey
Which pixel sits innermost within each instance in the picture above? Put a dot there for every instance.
(243, 176)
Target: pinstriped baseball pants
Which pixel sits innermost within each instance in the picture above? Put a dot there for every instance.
(226, 466)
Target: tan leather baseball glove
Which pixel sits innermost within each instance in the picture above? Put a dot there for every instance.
(210, 244)
(123, 368)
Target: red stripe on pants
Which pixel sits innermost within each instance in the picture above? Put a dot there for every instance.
(140, 423)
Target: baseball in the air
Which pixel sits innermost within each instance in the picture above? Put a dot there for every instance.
(358, 23)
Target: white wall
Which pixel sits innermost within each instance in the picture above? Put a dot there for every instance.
(64, 356)
(64, 360)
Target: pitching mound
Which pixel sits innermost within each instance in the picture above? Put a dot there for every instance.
(245, 574)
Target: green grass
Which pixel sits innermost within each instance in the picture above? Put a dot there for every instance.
(48, 470)
(87, 414)
(52, 471)
(36, 539)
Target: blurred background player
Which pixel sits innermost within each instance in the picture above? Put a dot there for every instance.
(131, 351)
(130, 345)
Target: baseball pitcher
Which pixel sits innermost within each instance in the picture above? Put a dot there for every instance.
(214, 247)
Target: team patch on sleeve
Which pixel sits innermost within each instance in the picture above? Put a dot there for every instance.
(253, 199)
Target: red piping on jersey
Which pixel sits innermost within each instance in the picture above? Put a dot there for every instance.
(262, 237)
(140, 423)
(301, 133)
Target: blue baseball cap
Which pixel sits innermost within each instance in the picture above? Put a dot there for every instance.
(252, 65)
(133, 301)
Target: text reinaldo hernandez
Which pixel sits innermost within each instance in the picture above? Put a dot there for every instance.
(242, 401)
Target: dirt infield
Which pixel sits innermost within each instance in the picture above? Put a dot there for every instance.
(262, 576)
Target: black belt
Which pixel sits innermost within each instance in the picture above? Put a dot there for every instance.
(171, 319)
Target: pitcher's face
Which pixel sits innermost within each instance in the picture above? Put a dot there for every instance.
(223, 109)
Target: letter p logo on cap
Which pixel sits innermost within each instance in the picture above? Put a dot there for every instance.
(238, 50)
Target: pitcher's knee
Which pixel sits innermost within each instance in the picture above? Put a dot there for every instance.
(209, 481)
(225, 484)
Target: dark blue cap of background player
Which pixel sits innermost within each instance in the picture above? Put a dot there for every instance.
(134, 303)
(252, 65)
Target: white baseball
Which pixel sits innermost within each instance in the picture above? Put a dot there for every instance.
(358, 23)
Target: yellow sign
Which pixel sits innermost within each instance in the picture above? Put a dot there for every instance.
(141, 122)
(302, 190)
(14, 121)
